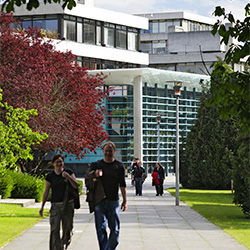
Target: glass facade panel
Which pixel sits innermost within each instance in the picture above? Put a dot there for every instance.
(98, 35)
(70, 30)
(51, 25)
(163, 27)
(132, 41)
(159, 47)
(109, 36)
(79, 32)
(89, 33)
(146, 47)
(155, 27)
(25, 24)
(121, 38)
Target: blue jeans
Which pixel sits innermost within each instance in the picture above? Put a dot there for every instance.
(138, 185)
(107, 211)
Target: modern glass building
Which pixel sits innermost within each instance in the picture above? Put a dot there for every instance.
(136, 98)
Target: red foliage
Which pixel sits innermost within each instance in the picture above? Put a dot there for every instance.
(69, 101)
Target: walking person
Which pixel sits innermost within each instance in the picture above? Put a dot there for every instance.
(133, 165)
(161, 176)
(62, 203)
(138, 176)
(156, 183)
(103, 182)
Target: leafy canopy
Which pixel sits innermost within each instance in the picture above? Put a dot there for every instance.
(16, 137)
(230, 90)
(69, 101)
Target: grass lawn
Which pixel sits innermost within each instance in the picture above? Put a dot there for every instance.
(14, 219)
(217, 206)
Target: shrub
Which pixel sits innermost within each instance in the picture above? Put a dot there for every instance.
(27, 186)
(6, 183)
(241, 175)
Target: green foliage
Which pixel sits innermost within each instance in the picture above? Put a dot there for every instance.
(16, 137)
(206, 154)
(6, 183)
(239, 30)
(9, 5)
(230, 93)
(241, 174)
(27, 186)
(230, 90)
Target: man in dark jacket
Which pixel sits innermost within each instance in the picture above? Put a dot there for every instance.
(138, 174)
(111, 173)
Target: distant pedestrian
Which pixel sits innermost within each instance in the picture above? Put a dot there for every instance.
(138, 176)
(156, 183)
(133, 165)
(161, 176)
(62, 203)
(103, 182)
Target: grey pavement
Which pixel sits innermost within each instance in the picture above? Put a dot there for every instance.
(150, 223)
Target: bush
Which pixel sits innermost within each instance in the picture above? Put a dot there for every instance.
(6, 184)
(27, 186)
(241, 175)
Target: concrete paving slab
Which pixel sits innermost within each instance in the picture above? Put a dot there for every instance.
(22, 202)
(150, 223)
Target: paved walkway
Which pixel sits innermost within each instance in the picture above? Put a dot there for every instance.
(150, 223)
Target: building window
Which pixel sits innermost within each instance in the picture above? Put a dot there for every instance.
(98, 33)
(89, 31)
(146, 47)
(70, 30)
(159, 47)
(109, 34)
(155, 27)
(48, 23)
(163, 27)
(121, 37)
(79, 30)
(132, 39)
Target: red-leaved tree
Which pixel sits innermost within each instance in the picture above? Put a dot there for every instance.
(69, 101)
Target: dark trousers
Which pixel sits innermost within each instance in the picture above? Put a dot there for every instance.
(58, 215)
(138, 185)
(157, 188)
(161, 186)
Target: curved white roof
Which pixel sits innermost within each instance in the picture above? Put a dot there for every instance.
(152, 76)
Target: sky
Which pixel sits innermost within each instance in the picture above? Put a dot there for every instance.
(200, 7)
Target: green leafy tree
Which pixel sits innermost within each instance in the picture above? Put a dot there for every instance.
(230, 90)
(16, 137)
(206, 158)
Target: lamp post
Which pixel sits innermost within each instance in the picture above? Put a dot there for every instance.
(177, 93)
(158, 136)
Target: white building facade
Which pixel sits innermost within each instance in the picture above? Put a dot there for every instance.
(181, 41)
(100, 38)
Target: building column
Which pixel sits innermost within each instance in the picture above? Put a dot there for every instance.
(138, 138)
